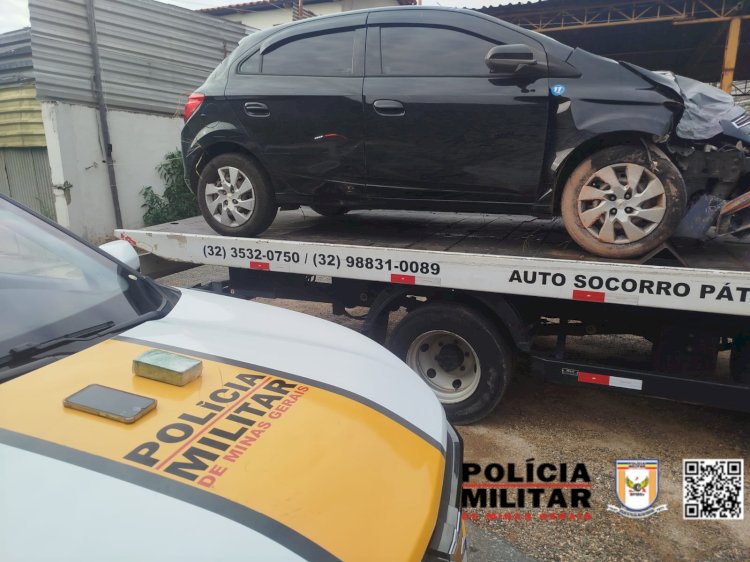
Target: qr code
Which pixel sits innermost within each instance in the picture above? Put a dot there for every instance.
(713, 488)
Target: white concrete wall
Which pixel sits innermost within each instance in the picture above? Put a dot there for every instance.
(268, 18)
(139, 143)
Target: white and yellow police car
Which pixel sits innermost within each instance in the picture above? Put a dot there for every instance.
(138, 421)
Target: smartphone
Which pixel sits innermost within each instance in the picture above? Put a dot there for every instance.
(110, 403)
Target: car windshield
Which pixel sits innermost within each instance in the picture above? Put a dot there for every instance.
(52, 285)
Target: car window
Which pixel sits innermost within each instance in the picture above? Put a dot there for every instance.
(327, 54)
(23, 256)
(51, 284)
(432, 51)
(251, 64)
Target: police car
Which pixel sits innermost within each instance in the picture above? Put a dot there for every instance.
(138, 421)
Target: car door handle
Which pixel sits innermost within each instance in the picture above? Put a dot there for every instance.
(257, 109)
(389, 108)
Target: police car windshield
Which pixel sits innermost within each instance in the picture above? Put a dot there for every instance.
(52, 285)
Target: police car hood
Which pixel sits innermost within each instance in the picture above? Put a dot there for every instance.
(300, 439)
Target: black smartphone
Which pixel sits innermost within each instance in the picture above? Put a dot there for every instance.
(110, 403)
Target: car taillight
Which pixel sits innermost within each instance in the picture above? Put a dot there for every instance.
(194, 102)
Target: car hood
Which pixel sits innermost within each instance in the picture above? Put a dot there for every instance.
(298, 433)
(707, 110)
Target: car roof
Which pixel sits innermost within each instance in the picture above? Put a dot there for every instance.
(552, 46)
(395, 9)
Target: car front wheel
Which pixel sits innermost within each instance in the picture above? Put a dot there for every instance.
(235, 196)
(623, 201)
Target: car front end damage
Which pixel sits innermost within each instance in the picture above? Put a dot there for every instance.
(710, 144)
(734, 217)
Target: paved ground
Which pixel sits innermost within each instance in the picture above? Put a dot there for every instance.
(564, 424)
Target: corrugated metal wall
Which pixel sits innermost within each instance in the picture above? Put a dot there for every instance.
(25, 176)
(24, 165)
(20, 117)
(153, 55)
(15, 57)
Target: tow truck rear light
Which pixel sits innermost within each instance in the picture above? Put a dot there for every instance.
(194, 102)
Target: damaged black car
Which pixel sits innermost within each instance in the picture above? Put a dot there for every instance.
(452, 110)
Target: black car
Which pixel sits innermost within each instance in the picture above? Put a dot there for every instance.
(452, 110)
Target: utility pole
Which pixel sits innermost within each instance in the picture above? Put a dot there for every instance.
(99, 98)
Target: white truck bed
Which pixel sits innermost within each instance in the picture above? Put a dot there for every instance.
(494, 253)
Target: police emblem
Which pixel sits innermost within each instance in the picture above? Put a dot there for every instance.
(637, 487)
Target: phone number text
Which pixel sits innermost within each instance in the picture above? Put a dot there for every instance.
(323, 260)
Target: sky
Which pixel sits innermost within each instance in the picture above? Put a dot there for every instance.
(15, 13)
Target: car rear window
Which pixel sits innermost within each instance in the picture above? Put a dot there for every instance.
(326, 54)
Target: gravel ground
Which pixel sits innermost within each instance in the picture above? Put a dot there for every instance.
(555, 424)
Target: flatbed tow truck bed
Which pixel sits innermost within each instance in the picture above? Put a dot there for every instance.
(691, 299)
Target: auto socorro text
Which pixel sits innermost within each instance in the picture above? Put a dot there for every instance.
(641, 286)
(525, 492)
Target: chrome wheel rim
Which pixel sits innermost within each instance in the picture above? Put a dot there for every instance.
(622, 203)
(230, 198)
(447, 363)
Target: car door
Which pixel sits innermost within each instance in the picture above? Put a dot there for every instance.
(438, 124)
(298, 95)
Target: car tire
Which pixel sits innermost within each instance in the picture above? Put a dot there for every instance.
(329, 210)
(471, 370)
(739, 361)
(623, 201)
(253, 209)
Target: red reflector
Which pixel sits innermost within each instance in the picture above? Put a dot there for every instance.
(593, 378)
(261, 265)
(406, 279)
(593, 296)
(194, 102)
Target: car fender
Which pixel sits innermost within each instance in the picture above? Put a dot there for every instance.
(218, 137)
(219, 132)
(608, 105)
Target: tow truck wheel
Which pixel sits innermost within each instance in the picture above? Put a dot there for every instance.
(619, 203)
(329, 210)
(459, 353)
(235, 196)
(739, 362)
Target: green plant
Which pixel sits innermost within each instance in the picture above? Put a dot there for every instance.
(177, 202)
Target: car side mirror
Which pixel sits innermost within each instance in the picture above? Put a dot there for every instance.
(124, 252)
(509, 58)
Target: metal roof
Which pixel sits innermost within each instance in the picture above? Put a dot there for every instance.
(261, 5)
(685, 36)
(153, 55)
(15, 57)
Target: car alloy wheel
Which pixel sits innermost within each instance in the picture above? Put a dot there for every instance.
(230, 198)
(622, 203)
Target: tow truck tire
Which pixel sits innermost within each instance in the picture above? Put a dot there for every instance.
(329, 210)
(739, 362)
(619, 203)
(235, 196)
(459, 353)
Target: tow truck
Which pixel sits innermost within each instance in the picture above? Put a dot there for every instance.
(479, 291)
